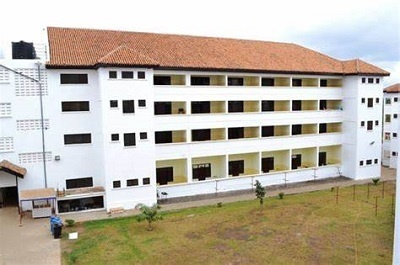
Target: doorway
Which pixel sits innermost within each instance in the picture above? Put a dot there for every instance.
(9, 197)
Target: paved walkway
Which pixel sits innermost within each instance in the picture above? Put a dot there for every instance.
(31, 243)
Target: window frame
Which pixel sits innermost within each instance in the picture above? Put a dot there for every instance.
(77, 81)
(82, 136)
(128, 138)
(127, 74)
(128, 106)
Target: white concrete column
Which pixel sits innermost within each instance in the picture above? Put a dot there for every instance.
(189, 170)
(187, 79)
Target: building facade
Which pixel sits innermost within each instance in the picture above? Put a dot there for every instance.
(391, 112)
(135, 117)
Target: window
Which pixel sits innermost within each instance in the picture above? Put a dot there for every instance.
(370, 125)
(362, 123)
(115, 137)
(267, 105)
(127, 75)
(394, 135)
(296, 129)
(296, 82)
(267, 82)
(112, 74)
(267, 164)
(370, 102)
(235, 133)
(395, 99)
(394, 116)
(267, 131)
(362, 100)
(142, 103)
(73, 79)
(129, 139)
(128, 106)
(235, 81)
(322, 128)
(236, 167)
(199, 81)
(201, 171)
(132, 182)
(363, 80)
(84, 138)
(116, 184)
(375, 161)
(387, 101)
(387, 136)
(323, 83)
(68, 106)
(235, 106)
(361, 163)
(164, 175)
(162, 108)
(146, 181)
(377, 101)
(387, 118)
(377, 80)
(143, 136)
(79, 183)
(370, 80)
(200, 107)
(322, 104)
(201, 135)
(376, 123)
(113, 103)
(394, 153)
(141, 75)
(163, 137)
(296, 105)
(369, 162)
(161, 80)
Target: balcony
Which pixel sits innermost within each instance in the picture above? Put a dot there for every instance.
(172, 171)
(329, 155)
(330, 127)
(200, 135)
(243, 81)
(170, 137)
(169, 80)
(243, 106)
(211, 80)
(243, 164)
(330, 82)
(305, 82)
(210, 167)
(169, 108)
(304, 158)
(298, 129)
(275, 161)
(207, 107)
(275, 81)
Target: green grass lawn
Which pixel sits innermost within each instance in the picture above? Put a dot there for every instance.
(300, 229)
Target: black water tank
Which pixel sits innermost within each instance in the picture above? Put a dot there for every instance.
(23, 50)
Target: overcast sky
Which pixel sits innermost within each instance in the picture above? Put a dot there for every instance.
(343, 29)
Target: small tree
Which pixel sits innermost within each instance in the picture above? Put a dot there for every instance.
(150, 214)
(260, 192)
(375, 181)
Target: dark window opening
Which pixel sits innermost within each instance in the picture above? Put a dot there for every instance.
(296, 129)
(394, 116)
(67, 106)
(113, 103)
(370, 125)
(376, 123)
(73, 79)
(84, 138)
(115, 137)
(369, 162)
(143, 136)
(323, 83)
(267, 105)
(163, 137)
(394, 134)
(363, 80)
(164, 175)
(142, 103)
(362, 123)
(236, 167)
(236, 133)
(201, 171)
(267, 164)
(394, 154)
(296, 105)
(132, 182)
(370, 102)
(79, 183)
(322, 159)
(235, 81)
(267, 131)
(361, 163)
(129, 139)
(235, 106)
(323, 105)
(376, 161)
(200, 107)
(395, 99)
(296, 161)
(127, 75)
(75, 205)
(370, 80)
(362, 100)
(141, 75)
(267, 81)
(377, 80)
(128, 106)
(146, 181)
(297, 82)
(199, 81)
(112, 74)
(161, 80)
(116, 184)
(162, 108)
(377, 100)
(322, 128)
(201, 135)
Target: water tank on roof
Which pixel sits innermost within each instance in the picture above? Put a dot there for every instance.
(23, 50)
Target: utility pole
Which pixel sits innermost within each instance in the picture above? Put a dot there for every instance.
(41, 113)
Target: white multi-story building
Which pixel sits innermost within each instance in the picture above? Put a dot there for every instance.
(130, 117)
(391, 112)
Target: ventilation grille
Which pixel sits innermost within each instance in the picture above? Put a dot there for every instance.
(6, 144)
(30, 158)
(4, 76)
(25, 87)
(5, 109)
(27, 125)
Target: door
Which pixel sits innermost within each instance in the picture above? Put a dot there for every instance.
(165, 175)
(296, 161)
(236, 167)
(8, 196)
(267, 164)
(321, 159)
(201, 171)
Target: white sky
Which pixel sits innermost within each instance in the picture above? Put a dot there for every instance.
(304, 22)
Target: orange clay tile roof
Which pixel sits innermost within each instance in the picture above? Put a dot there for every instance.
(89, 48)
(395, 88)
(13, 169)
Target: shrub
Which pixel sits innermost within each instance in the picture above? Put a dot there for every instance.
(260, 192)
(70, 222)
(280, 195)
(219, 204)
(375, 181)
(150, 214)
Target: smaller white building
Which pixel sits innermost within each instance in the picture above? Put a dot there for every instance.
(391, 112)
